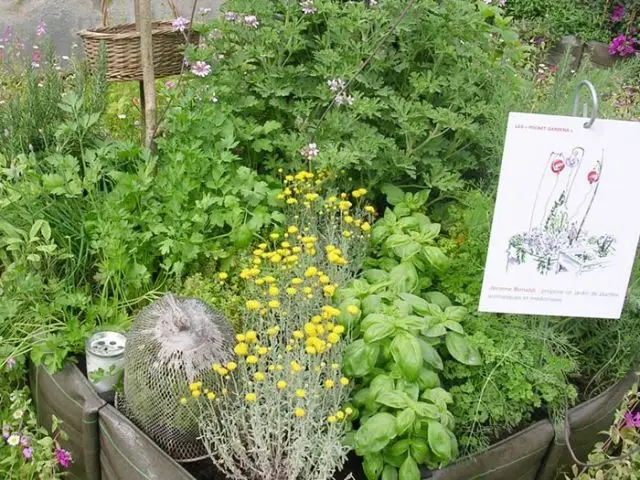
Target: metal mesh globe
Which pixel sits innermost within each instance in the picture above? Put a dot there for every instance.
(172, 342)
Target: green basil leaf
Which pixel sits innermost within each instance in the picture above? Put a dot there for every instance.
(375, 433)
(457, 314)
(436, 258)
(394, 194)
(425, 410)
(398, 448)
(438, 396)
(434, 331)
(360, 358)
(409, 469)
(378, 331)
(460, 349)
(428, 379)
(404, 420)
(381, 383)
(411, 322)
(403, 278)
(373, 465)
(371, 304)
(419, 450)
(453, 326)
(374, 318)
(439, 299)
(419, 305)
(389, 473)
(431, 356)
(402, 245)
(406, 352)
(374, 275)
(393, 399)
(440, 441)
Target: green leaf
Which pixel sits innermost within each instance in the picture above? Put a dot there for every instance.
(425, 410)
(360, 358)
(419, 450)
(46, 231)
(393, 399)
(402, 245)
(435, 331)
(404, 278)
(407, 353)
(438, 396)
(460, 349)
(398, 448)
(419, 305)
(373, 465)
(436, 258)
(374, 276)
(431, 356)
(439, 299)
(381, 383)
(35, 228)
(375, 433)
(453, 326)
(409, 469)
(374, 319)
(371, 304)
(456, 314)
(378, 331)
(411, 322)
(428, 379)
(440, 441)
(394, 194)
(404, 420)
(389, 473)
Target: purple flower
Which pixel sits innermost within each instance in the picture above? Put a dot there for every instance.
(6, 430)
(201, 69)
(618, 13)
(11, 362)
(179, 24)
(341, 99)
(231, 17)
(622, 46)
(25, 441)
(27, 452)
(629, 420)
(41, 29)
(35, 58)
(251, 21)
(170, 84)
(63, 457)
(307, 7)
(204, 10)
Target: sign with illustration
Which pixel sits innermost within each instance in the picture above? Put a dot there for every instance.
(565, 227)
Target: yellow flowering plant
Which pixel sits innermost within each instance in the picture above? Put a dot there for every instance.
(279, 410)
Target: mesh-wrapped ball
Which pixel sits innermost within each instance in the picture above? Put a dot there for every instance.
(173, 342)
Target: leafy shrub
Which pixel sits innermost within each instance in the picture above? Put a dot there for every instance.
(405, 335)
(412, 114)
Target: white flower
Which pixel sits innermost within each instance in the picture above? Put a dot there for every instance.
(201, 69)
(13, 440)
(179, 24)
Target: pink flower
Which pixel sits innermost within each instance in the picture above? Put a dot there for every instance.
(557, 166)
(231, 17)
(41, 29)
(170, 84)
(63, 457)
(618, 13)
(629, 421)
(11, 362)
(336, 84)
(27, 452)
(204, 10)
(201, 69)
(307, 7)
(593, 177)
(622, 46)
(310, 151)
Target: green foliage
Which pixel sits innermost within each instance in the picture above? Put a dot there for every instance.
(418, 105)
(404, 335)
(27, 451)
(618, 457)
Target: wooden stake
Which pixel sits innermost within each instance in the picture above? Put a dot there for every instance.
(148, 100)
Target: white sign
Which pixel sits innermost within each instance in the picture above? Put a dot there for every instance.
(566, 222)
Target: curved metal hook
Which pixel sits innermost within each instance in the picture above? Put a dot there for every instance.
(594, 98)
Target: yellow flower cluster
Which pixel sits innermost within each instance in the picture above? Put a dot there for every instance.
(196, 391)
(339, 415)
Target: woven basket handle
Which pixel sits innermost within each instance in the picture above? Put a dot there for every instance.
(104, 9)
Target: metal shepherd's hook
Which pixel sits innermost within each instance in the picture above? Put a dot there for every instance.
(594, 107)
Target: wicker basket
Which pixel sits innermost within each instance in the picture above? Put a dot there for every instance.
(123, 49)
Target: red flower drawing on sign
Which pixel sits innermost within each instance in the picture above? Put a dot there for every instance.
(557, 166)
(593, 177)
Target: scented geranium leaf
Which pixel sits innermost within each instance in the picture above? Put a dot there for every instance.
(461, 349)
(430, 355)
(393, 399)
(440, 441)
(373, 465)
(407, 353)
(375, 433)
(404, 420)
(456, 314)
(389, 473)
(360, 358)
(409, 469)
